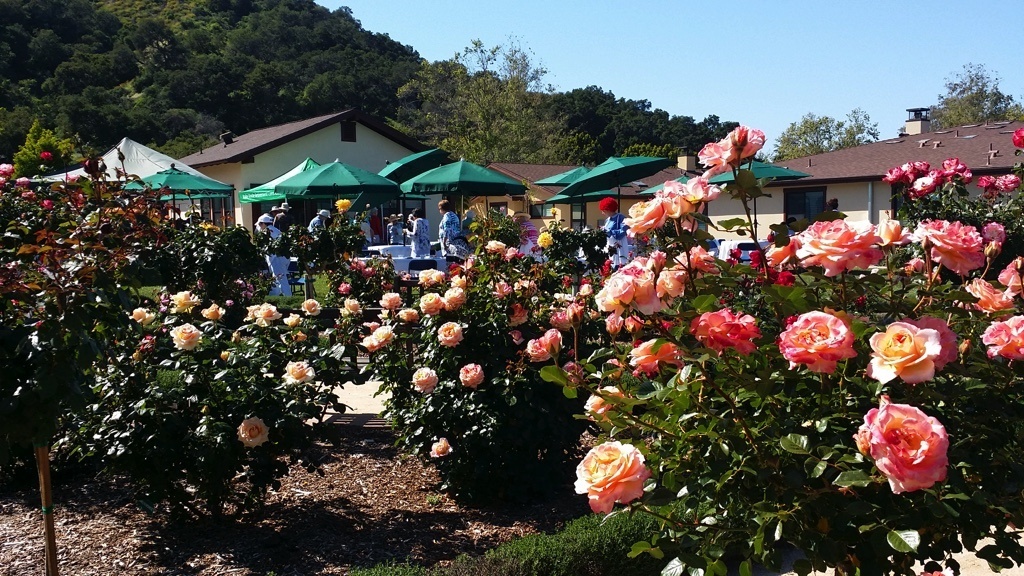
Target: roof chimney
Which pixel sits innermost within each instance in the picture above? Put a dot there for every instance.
(687, 163)
(227, 137)
(918, 121)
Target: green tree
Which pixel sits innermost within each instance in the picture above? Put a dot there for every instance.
(815, 134)
(484, 105)
(29, 161)
(656, 150)
(973, 97)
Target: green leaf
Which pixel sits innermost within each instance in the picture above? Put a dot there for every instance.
(745, 179)
(730, 223)
(745, 569)
(705, 302)
(569, 392)
(903, 540)
(852, 478)
(673, 568)
(795, 444)
(638, 549)
(554, 374)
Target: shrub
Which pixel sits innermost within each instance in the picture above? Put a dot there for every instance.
(845, 406)
(502, 421)
(169, 409)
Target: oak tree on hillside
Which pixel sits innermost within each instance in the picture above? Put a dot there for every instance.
(815, 134)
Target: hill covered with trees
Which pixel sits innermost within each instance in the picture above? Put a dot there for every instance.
(176, 73)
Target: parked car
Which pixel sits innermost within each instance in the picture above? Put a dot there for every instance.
(726, 248)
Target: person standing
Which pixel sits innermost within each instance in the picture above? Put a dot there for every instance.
(277, 263)
(282, 219)
(395, 235)
(376, 226)
(319, 222)
(450, 227)
(420, 234)
(614, 227)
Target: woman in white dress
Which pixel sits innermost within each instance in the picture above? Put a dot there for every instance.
(277, 263)
(420, 234)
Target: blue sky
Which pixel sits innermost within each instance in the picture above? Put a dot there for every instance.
(761, 63)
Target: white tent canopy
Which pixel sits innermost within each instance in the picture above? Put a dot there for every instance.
(139, 160)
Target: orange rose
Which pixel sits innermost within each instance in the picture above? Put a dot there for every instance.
(298, 372)
(454, 298)
(311, 307)
(253, 432)
(611, 472)
(409, 315)
(213, 313)
(184, 302)
(264, 314)
(440, 449)
(352, 307)
(471, 375)
(906, 351)
(431, 304)
(391, 301)
(293, 320)
(651, 355)
(143, 316)
(186, 337)
(424, 380)
(597, 405)
(989, 298)
(449, 334)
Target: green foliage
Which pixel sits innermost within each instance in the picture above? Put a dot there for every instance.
(513, 425)
(818, 134)
(585, 547)
(973, 97)
(655, 150)
(65, 253)
(575, 252)
(168, 417)
(29, 161)
(750, 448)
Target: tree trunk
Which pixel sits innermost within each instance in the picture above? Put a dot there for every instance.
(43, 464)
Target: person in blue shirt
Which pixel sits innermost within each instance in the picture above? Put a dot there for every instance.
(614, 227)
(420, 234)
(319, 222)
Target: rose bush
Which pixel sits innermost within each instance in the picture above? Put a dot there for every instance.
(462, 388)
(855, 390)
(203, 418)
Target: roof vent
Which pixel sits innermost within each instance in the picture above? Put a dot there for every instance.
(921, 143)
(967, 136)
(936, 144)
(227, 137)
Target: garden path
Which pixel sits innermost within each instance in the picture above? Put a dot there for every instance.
(364, 406)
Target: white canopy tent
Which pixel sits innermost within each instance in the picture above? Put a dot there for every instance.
(139, 160)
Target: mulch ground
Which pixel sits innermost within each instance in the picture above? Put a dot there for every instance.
(371, 506)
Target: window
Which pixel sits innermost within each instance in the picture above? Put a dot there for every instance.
(896, 201)
(803, 203)
(348, 131)
(541, 211)
(578, 216)
(499, 207)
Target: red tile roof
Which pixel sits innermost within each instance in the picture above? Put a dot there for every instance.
(251, 143)
(984, 148)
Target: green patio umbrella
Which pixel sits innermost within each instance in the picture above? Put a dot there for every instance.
(595, 196)
(338, 180)
(266, 192)
(183, 184)
(414, 164)
(616, 172)
(650, 191)
(761, 170)
(463, 179)
(563, 178)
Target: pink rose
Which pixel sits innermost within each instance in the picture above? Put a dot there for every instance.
(454, 298)
(22, 182)
(745, 142)
(344, 288)
(449, 334)
(1011, 276)
(440, 449)
(925, 185)
(993, 232)
(907, 445)
(1005, 338)
(726, 329)
(46, 156)
(646, 216)
(1007, 183)
(560, 319)
(891, 233)
(47, 204)
(652, 354)
(906, 351)
(543, 348)
(990, 299)
(310, 307)
(611, 473)
(519, 315)
(613, 324)
(895, 176)
(947, 339)
(598, 405)
(715, 158)
(697, 190)
(424, 380)
(391, 301)
(459, 281)
(671, 282)
(501, 289)
(987, 183)
(495, 247)
(953, 244)
(914, 266)
(779, 256)
(6, 170)
(817, 340)
(252, 432)
(1018, 138)
(431, 304)
(838, 246)
(471, 375)
(352, 307)
(517, 337)
(700, 261)
(586, 291)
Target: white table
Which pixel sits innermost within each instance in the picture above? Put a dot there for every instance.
(393, 250)
(402, 264)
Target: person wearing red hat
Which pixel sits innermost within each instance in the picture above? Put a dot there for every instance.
(615, 228)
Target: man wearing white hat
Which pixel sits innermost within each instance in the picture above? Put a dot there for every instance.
(282, 220)
(319, 222)
(277, 263)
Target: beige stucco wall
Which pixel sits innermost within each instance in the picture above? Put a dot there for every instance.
(371, 151)
(853, 201)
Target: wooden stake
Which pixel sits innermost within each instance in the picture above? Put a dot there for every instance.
(43, 463)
